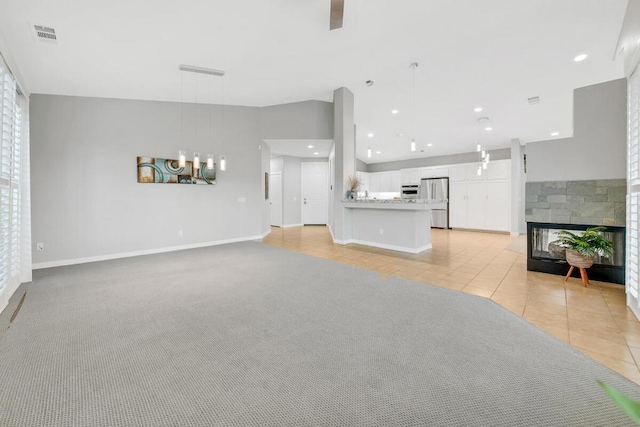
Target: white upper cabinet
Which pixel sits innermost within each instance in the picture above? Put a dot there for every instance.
(385, 182)
(498, 169)
(394, 182)
(364, 181)
(435, 172)
(410, 176)
(457, 173)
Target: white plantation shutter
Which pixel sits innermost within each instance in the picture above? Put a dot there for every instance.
(633, 190)
(13, 187)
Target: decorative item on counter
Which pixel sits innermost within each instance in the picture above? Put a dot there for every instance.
(352, 182)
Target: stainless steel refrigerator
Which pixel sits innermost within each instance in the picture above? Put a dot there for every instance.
(436, 189)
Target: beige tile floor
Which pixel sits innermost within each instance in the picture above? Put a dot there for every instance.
(595, 320)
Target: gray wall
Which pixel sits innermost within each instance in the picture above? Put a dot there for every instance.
(85, 198)
(299, 120)
(266, 207)
(597, 150)
(453, 159)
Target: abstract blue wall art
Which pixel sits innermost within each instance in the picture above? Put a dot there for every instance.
(153, 170)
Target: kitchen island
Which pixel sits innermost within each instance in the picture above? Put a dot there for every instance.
(399, 225)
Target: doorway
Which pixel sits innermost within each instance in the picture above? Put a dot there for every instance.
(275, 198)
(315, 193)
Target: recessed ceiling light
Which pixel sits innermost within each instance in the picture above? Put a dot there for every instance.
(370, 135)
(429, 145)
(555, 133)
(309, 146)
(401, 134)
(477, 109)
(488, 128)
(394, 111)
(369, 83)
(580, 57)
(315, 153)
(378, 152)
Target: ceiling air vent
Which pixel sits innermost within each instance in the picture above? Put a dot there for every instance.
(45, 33)
(534, 100)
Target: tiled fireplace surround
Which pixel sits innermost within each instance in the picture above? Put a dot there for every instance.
(596, 202)
(572, 205)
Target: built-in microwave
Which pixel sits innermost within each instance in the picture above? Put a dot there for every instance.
(410, 191)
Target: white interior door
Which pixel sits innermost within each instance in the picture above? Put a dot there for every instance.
(315, 193)
(275, 198)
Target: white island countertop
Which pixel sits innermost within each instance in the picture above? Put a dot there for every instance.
(406, 205)
(399, 225)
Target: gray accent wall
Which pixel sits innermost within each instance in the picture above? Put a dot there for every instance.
(452, 159)
(298, 120)
(87, 203)
(597, 150)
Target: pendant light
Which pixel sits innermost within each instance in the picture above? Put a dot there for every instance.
(478, 147)
(369, 152)
(182, 154)
(414, 65)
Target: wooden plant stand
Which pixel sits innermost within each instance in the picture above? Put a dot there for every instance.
(583, 274)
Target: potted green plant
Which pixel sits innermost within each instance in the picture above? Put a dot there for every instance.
(583, 247)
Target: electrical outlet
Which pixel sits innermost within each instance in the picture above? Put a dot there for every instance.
(180, 233)
(381, 231)
(40, 246)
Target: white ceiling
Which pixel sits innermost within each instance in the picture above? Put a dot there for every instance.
(491, 53)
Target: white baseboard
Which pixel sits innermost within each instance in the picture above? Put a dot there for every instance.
(515, 234)
(61, 263)
(292, 225)
(266, 233)
(385, 246)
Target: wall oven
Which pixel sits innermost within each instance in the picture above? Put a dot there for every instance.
(410, 191)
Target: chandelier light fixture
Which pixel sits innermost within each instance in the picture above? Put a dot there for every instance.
(413, 66)
(182, 154)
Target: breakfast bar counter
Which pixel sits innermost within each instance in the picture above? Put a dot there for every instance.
(399, 225)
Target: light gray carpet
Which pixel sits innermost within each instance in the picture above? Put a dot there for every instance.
(250, 335)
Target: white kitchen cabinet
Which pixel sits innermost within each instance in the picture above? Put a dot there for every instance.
(476, 205)
(394, 182)
(410, 176)
(374, 182)
(434, 172)
(497, 207)
(457, 173)
(499, 169)
(457, 204)
(480, 202)
(364, 181)
(384, 182)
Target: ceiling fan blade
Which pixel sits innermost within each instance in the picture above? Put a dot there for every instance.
(337, 14)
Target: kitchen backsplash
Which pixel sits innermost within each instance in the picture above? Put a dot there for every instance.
(595, 202)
